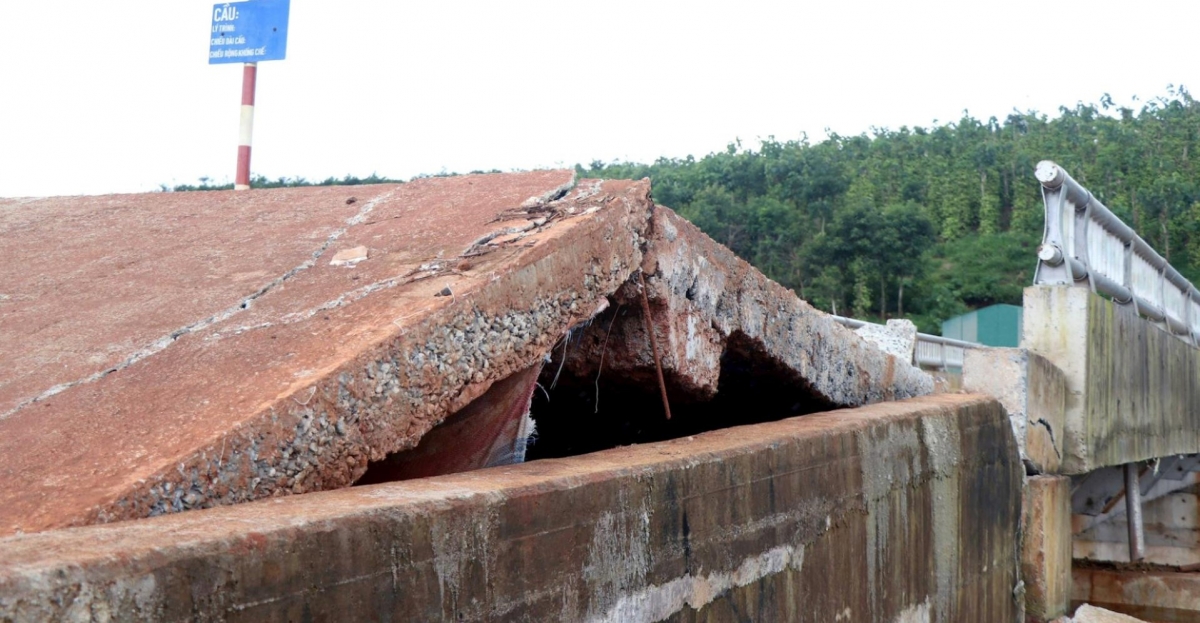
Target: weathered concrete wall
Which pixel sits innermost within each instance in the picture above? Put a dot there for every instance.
(1164, 596)
(1032, 390)
(904, 511)
(1132, 387)
(1046, 547)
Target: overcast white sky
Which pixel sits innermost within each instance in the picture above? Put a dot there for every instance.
(100, 97)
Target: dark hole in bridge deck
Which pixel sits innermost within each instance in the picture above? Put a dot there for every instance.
(753, 388)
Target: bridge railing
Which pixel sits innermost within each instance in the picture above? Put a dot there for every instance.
(932, 351)
(939, 352)
(1085, 243)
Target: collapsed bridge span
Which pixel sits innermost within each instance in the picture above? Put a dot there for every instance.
(177, 351)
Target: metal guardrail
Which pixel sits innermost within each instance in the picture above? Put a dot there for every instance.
(1085, 241)
(933, 351)
(940, 355)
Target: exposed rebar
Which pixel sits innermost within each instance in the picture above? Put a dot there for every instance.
(662, 384)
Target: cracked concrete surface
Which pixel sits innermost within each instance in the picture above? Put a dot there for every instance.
(1032, 390)
(219, 317)
(98, 283)
(178, 351)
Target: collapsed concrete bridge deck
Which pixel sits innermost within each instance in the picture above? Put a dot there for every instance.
(176, 351)
(179, 352)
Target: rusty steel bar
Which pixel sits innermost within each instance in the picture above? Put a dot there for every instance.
(1133, 513)
(662, 384)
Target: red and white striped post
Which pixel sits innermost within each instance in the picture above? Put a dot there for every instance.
(246, 132)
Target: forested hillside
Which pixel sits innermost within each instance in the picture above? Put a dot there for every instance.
(927, 223)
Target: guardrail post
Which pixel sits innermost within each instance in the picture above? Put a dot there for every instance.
(1053, 264)
(1127, 274)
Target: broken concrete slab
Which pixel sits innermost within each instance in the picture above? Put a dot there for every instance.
(465, 282)
(1033, 390)
(1091, 614)
(897, 338)
(705, 302)
(325, 369)
(902, 511)
(733, 347)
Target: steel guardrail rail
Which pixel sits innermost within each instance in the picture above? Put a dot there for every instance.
(1084, 241)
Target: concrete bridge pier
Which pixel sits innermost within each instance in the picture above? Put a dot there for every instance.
(1046, 546)
(1097, 397)
(1034, 393)
(1105, 407)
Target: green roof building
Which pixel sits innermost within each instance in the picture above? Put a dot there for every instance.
(998, 325)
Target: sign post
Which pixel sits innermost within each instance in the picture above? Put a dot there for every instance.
(248, 32)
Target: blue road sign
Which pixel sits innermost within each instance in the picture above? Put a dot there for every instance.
(248, 32)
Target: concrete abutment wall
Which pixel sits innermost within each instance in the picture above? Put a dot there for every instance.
(904, 511)
(1129, 396)
(1132, 390)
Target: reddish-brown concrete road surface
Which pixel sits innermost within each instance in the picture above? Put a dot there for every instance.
(157, 346)
(171, 351)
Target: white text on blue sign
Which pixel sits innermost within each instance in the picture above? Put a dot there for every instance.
(249, 31)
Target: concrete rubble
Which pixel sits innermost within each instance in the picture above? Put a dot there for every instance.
(1091, 614)
(897, 338)
(177, 351)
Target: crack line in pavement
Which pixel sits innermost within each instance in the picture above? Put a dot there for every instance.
(352, 296)
(163, 342)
